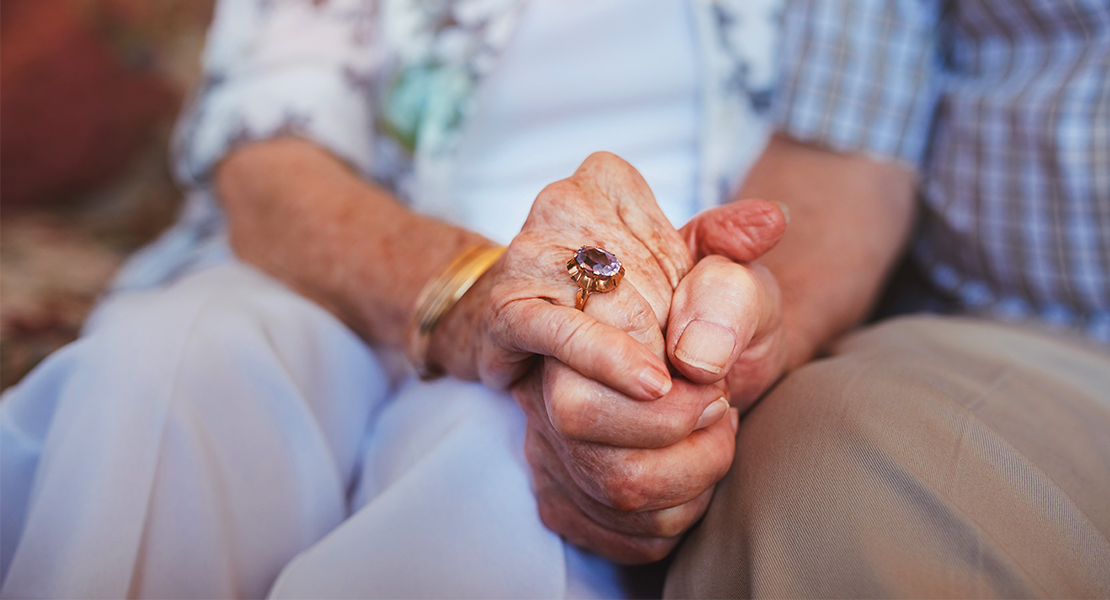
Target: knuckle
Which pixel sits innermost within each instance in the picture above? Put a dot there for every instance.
(626, 487)
(567, 335)
(607, 167)
(632, 314)
(556, 196)
(640, 314)
(602, 159)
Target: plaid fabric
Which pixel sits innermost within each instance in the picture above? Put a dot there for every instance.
(1003, 107)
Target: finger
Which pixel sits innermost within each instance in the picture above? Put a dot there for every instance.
(665, 522)
(582, 409)
(633, 480)
(630, 479)
(717, 310)
(606, 353)
(757, 369)
(559, 514)
(528, 393)
(742, 231)
(626, 308)
(636, 206)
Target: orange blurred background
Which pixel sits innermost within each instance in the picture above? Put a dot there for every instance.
(88, 93)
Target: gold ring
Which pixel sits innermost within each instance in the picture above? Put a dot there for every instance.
(594, 270)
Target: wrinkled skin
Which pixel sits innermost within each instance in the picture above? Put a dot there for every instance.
(626, 475)
(524, 305)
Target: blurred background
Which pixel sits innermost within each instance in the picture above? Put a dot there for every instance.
(88, 93)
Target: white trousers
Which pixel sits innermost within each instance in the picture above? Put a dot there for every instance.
(225, 437)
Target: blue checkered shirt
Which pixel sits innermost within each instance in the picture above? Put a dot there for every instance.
(1003, 109)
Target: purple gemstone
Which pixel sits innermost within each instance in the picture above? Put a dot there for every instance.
(595, 260)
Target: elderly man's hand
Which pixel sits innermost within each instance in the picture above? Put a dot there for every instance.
(726, 317)
(628, 504)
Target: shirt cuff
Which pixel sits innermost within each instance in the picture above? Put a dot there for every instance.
(326, 106)
(860, 77)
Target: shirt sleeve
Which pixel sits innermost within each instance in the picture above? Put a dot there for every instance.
(860, 75)
(280, 67)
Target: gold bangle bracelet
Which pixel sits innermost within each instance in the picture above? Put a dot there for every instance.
(439, 295)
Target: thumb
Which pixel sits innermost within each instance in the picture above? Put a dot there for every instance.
(741, 231)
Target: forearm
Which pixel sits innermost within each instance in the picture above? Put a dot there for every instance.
(301, 215)
(850, 218)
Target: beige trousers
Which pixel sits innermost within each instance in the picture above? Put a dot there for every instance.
(927, 457)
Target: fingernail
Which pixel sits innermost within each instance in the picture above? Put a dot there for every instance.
(712, 413)
(785, 210)
(706, 346)
(655, 382)
(734, 416)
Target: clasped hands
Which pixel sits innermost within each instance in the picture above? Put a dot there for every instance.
(628, 402)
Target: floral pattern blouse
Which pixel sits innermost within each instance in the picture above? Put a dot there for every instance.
(387, 86)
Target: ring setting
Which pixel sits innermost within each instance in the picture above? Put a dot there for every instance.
(594, 269)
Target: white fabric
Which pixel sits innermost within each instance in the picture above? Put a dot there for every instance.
(189, 445)
(624, 80)
(211, 437)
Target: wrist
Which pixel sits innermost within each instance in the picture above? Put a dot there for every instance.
(445, 323)
(456, 343)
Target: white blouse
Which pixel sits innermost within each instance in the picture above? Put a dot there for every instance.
(624, 79)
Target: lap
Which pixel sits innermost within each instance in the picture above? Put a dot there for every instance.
(193, 440)
(444, 509)
(928, 456)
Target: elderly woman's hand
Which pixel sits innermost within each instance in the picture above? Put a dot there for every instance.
(524, 305)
